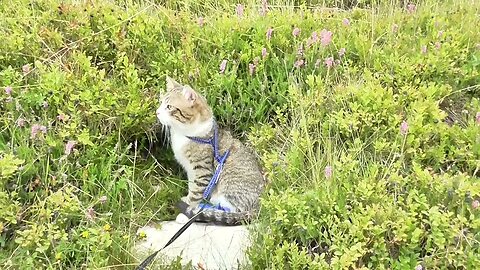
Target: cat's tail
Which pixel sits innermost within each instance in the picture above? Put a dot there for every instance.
(219, 217)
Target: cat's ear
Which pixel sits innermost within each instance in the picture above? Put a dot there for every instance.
(190, 94)
(172, 84)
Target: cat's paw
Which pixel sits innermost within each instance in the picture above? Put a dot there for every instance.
(181, 218)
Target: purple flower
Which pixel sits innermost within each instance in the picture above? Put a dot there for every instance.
(269, 33)
(438, 45)
(328, 172)
(419, 267)
(45, 104)
(477, 118)
(103, 199)
(8, 90)
(90, 213)
(240, 9)
(346, 22)
(395, 28)
(20, 122)
(264, 8)
(325, 37)
(251, 68)
(26, 69)
(264, 52)
(341, 52)
(404, 128)
(36, 128)
(200, 21)
(423, 49)
(69, 147)
(329, 62)
(411, 8)
(296, 32)
(223, 65)
(475, 204)
(299, 63)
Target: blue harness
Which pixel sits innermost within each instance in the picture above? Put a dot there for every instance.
(213, 141)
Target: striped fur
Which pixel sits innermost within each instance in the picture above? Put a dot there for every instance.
(241, 183)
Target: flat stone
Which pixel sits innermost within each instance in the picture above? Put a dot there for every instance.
(206, 246)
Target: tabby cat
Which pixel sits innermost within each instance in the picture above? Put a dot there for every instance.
(189, 119)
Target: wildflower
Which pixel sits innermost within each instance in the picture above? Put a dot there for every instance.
(328, 172)
(346, 22)
(404, 128)
(200, 21)
(440, 33)
(475, 204)
(411, 8)
(329, 62)
(299, 63)
(69, 147)
(251, 68)
(269, 33)
(264, 52)
(477, 118)
(223, 65)
(419, 267)
(300, 50)
(240, 9)
(341, 52)
(103, 199)
(423, 49)
(395, 28)
(325, 37)
(296, 32)
(107, 227)
(26, 69)
(45, 104)
(313, 39)
(36, 128)
(438, 45)
(90, 213)
(20, 122)
(264, 8)
(62, 117)
(8, 90)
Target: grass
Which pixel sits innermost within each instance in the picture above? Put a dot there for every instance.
(372, 163)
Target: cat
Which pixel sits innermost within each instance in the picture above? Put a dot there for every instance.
(236, 197)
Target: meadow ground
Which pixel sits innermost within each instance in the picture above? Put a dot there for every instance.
(366, 118)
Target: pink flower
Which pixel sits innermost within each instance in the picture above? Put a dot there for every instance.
(329, 62)
(477, 118)
(36, 128)
(223, 65)
(328, 172)
(419, 267)
(296, 32)
(411, 8)
(8, 90)
(103, 199)
(45, 104)
(404, 128)
(438, 45)
(325, 37)
(200, 21)
(62, 117)
(69, 147)
(299, 63)
(475, 204)
(264, 52)
(313, 39)
(341, 52)
(240, 9)
(90, 213)
(26, 69)
(264, 8)
(269, 33)
(20, 122)
(346, 22)
(251, 68)
(440, 33)
(423, 49)
(395, 28)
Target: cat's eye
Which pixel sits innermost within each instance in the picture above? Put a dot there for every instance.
(169, 107)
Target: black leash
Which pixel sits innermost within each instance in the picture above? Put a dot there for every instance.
(150, 258)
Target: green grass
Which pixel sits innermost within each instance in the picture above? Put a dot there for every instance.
(394, 200)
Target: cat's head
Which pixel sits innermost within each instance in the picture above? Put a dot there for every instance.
(183, 109)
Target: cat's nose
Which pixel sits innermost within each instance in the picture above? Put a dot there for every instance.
(159, 111)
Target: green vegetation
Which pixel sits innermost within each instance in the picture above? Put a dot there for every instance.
(366, 119)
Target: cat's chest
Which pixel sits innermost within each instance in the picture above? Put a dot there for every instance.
(179, 142)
